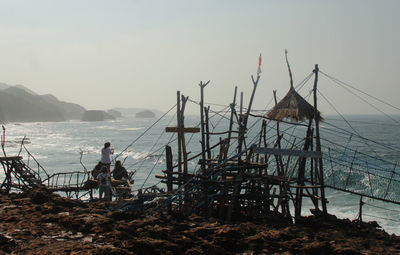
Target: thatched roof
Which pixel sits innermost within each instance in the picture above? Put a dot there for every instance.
(294, 107)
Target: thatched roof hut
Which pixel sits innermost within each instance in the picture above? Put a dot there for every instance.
(293, 106)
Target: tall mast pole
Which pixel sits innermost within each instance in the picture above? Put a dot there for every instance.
(318, 143)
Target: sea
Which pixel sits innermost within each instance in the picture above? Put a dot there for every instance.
(140, 145)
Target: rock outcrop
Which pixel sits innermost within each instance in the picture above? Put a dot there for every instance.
(39, 222)
(145, 114)
(115, 113)
(97, 115)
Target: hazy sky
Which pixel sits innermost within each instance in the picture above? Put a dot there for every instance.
(105, 54)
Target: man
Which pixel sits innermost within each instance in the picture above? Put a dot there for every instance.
(106, 153)
(104, 179)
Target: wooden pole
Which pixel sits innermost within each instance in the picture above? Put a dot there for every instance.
(168, 154)
(314, 177)
(318, 144)
(300, 178)
(246, 117)
(178, 116)
(241, 127)
(206, 110)
(360, 212)
(241, 104)
(203, 153)
(183, 142)
(279, 163)
(232, 114)
(290, 71)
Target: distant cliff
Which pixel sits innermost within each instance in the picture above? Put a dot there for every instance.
(19, 104)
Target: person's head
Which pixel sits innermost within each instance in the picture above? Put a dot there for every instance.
(104, 169)
(107, 144)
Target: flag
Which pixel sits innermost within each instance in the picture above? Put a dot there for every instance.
(259, 65)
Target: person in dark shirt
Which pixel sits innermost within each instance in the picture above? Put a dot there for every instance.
(96, 170)
(119, 171)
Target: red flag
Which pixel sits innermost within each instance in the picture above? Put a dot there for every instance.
(259, 65)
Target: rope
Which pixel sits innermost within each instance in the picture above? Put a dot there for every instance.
(222, 117)
(392, 210)
(158, 139)
(382, 218)
(363, 138)
(142, 134)
(364, 122)
(304, 81)
(344, 119)
(341, 160)
(158, 159)
(346, 84)
(365, 101)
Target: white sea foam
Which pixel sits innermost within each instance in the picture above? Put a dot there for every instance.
(131, 129)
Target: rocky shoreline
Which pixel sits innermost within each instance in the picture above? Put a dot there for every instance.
(39, 222)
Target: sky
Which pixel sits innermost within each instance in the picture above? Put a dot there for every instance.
(138, 53)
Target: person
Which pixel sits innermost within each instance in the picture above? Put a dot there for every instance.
(96, 170)
(119, 171)
(106, 153)
(104, 180)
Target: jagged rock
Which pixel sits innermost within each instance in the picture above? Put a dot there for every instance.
(90, 228)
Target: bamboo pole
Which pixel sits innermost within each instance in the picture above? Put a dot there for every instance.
(170, 168)
(231, 119)
(203, 153)
(279, 163)
(202, 86)
(318, 143)
(178, 116)
(300, 178)
(206, 110)
(182, 125)
(246, 117)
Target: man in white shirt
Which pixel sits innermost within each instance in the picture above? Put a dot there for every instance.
(106, 153)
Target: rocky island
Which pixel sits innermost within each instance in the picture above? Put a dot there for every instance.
(145, 114)
(97, 115)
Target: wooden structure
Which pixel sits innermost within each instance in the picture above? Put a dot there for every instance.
(18, 175)
(21, 177)
(247, 184)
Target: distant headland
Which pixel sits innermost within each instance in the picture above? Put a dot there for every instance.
(20, 104)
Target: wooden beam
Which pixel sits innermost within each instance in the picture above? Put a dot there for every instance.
(10, 158)
(183, 130)
(287, 152)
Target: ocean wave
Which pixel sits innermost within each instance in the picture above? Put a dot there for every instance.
(131, 129)
(106, 127)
